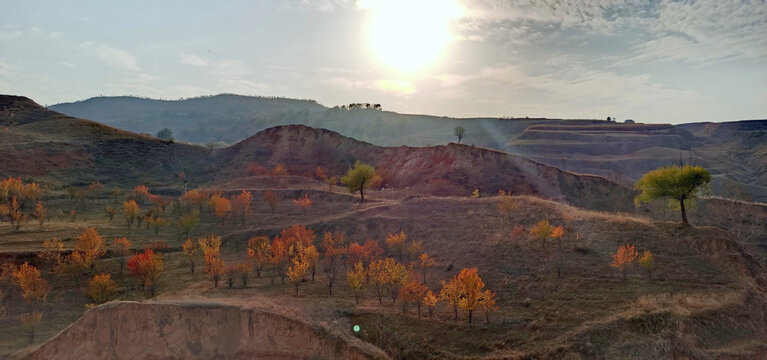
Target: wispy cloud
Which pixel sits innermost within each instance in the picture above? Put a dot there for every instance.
(193, 60)
(112, 56)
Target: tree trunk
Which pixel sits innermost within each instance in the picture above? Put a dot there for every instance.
(362, 195)
(470, 316)
(684, 213)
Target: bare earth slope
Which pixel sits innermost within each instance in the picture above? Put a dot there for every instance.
(459, 168)
(186, 330)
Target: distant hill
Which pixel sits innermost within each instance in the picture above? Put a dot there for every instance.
(231, 118)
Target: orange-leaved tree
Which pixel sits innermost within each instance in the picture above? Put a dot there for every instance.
(92, 245)
(487, 304)
(241, 205)
(130, 210)
(451, 294)
(190, 251)
(278, 254)
(303, 203)
(122, 247)
(396, 243)
(397, 275)
(222, 206)
(101, 288)
(333, 246)
(258, 252)
(429, 300)
(471, 287)
(542, 231)
(624, 258)
(211, 251)
(32, 284)
(146, 267)
(299, 264)
(412, 291)
(270, 198)
(424, 263)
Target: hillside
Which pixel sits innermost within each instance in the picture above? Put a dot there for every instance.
(63, 150)
(733, 151)
(83, 151)
(446, 170)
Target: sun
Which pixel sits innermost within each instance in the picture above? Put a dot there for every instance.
(410, 34)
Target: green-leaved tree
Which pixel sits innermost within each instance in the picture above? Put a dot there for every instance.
(675, 182)
(359, 178)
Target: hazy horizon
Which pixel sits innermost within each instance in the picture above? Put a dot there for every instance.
(666, 62)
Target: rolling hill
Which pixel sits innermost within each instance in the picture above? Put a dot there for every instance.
(735, 152)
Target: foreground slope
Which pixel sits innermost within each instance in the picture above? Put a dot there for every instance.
(186, 330)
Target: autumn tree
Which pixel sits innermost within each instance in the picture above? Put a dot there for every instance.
(74, 266)
(312, 257)
(674, 182)
(258, 252)
(330, 181)
(429, 300)
(243, 269)
(32, 284)
(241, 205)
(506, 204)
(40, 213)
(358, 178)
(624, 258)
(130, 211)
(451, 293)
(303, 203)
(211, 251)
(194, 199)
(486, 304)
(110, 213)
(412, 291)
(378, 277)
(190, 251)
(396, 276)
(396, 243)
(146, 267)
(543, 230)
(459, 132)
(333, 246)
(116, 192)
(156, 223)
(222, 207)
(299, 265)
(51, 253)
(471, 287)
(356, 280)
(278, 254)
(270, 198)
(280, 170)
(101, 288)
(29, 322)
(122, 247)
(187, 222)
(425, 262)
(647, 261)
(92, 245)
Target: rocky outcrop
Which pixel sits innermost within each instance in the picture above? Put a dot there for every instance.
(131, 330)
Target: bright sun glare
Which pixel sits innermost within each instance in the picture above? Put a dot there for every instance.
(410, 34)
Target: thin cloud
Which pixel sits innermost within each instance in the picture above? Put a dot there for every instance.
(112, 56)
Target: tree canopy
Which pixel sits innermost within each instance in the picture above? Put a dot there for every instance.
(675, 182)
(358, 178)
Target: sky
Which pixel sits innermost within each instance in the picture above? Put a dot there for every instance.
(658, 61)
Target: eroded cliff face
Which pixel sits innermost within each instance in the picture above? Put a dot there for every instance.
(130, 330)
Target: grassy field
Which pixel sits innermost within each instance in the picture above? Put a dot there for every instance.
(699, 284)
